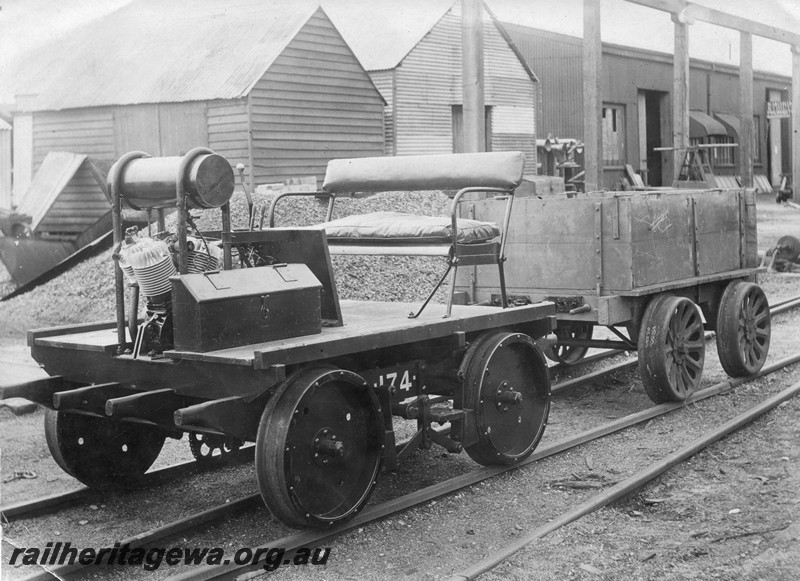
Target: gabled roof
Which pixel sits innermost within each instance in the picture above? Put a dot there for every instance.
(381, 33)
(152, 51)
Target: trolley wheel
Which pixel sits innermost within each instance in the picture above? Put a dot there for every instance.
(101, 453)
(743, 329)
(210, 447)
(507, 384)
(566, 354)
(319, 447)
(671, 348)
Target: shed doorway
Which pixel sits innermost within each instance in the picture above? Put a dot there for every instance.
(653, 126)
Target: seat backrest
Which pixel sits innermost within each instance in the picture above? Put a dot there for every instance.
(425, 172)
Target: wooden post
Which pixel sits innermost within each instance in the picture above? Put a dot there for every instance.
(680, 93)
(796, 120)
(592, 103)
(746, 109)
(472, 76)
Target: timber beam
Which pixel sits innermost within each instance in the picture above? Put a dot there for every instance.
(692, 11)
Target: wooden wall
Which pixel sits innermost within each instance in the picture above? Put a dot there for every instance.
(87, 131)
(228, 128)
(384, 81)
(428, 84)
(315, 103)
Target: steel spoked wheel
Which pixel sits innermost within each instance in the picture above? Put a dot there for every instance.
(569, 354)
(319, 447)
(743, 329)
(211, 447)
(671, 348)
(507, 385)
(101, 453)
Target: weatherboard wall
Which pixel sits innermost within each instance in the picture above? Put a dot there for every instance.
(314, 103)
(429, 83)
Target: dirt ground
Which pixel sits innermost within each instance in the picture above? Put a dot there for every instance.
(731, 512)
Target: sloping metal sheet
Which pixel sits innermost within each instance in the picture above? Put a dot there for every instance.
(703, 125)
(152, 51)
(731, 123)
(56, 171)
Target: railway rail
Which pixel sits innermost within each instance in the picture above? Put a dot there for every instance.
(55, 502)
(377, 512)
(408, 501)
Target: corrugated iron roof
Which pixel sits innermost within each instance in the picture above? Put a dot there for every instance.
(151, 51)
(54, 174)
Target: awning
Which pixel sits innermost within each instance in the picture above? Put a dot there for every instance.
(702, 125)
(731, 123)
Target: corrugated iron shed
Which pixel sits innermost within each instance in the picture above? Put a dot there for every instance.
(182, 50)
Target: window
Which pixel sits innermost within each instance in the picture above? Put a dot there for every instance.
(721, 155)
(613, 129)
(458, 129)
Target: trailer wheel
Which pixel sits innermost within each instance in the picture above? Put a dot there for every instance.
(567, 354)
(743, 329)
(101, 453)
(211, 447)
(508, 387)
(319, 447)
(671, 348)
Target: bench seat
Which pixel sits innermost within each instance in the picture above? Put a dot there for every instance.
(462, 241)
(401, 228)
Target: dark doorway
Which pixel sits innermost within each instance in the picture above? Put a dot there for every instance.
(654, 123)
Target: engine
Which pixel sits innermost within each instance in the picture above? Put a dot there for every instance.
(205, 180)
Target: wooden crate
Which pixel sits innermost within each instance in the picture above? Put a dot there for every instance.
(619, 242)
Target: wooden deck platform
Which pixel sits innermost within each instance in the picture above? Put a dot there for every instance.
(367, 325)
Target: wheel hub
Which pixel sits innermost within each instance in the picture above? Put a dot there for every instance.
(506, 396)
(326, 446)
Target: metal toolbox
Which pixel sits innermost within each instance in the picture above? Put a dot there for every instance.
(223, 309)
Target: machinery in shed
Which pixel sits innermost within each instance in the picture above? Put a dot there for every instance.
(244, 338)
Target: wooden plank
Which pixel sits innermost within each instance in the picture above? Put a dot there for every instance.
(718, 18)
(592, 99)
(378, 325)
(472, 86)
(745, 153)
(796, 120)
(680, 95)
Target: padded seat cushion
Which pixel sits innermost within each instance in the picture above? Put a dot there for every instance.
(398, 227)
(452, 171)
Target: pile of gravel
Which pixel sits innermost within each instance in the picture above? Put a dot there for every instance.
(85, 293)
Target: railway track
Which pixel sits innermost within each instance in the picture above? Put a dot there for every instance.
(50, 504)
(55, 502)
(402, 503)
